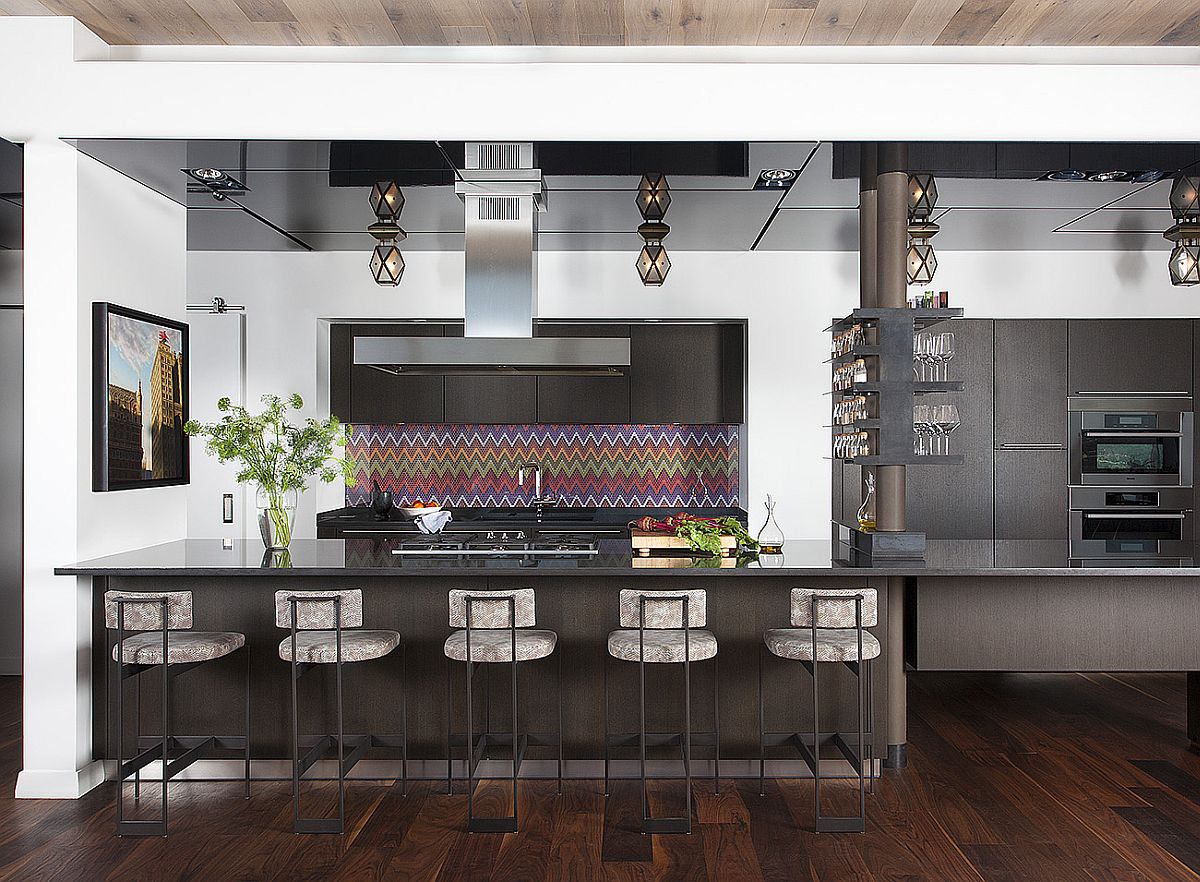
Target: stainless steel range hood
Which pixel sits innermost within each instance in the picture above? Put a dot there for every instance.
(502, 193)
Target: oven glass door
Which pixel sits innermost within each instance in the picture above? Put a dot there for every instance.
(1117, 454)
(1129, 527)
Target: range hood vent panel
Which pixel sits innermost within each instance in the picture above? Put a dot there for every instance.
(573, 356)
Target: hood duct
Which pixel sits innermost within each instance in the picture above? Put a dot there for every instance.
(502, 193)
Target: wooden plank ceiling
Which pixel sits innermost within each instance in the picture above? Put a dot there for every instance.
(631, 22)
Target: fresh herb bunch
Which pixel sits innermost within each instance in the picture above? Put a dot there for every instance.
(705, 535)
(273, 452)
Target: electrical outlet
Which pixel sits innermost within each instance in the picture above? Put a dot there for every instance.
(227, 508)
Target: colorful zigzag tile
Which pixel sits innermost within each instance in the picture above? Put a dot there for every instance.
(477, 465)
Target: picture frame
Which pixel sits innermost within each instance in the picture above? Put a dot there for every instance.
(140, 368)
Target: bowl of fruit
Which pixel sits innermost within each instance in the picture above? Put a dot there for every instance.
(417, 507)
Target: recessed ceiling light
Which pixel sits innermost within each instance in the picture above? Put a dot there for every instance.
(1065, 174)
(1108, 177)
(775, 178)
(207, 174)
(1147, 175)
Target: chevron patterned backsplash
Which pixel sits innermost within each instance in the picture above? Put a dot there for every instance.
(465, 465)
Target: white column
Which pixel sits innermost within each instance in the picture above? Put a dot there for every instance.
(57, 714)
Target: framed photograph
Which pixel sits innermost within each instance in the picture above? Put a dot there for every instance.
(139, 399)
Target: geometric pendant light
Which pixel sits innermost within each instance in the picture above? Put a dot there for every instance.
(653, 200)
(1184, 263)
(387, 263)
(922, 198)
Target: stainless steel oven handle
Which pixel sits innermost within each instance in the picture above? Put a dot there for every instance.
(1132, 433)
(1161, 516)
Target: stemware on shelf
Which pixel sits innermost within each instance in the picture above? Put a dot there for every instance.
(945, 419)
(945, 350)
(922, 428)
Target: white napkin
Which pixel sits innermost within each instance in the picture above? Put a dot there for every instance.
(433, 522)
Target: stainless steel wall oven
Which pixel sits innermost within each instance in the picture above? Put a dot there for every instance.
(1123, 442)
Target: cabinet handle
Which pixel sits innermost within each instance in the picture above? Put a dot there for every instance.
(1033, 445)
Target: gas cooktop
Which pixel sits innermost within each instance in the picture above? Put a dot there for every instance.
(500, 543)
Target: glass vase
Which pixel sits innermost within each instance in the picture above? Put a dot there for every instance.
(276, 510)
(770, 537)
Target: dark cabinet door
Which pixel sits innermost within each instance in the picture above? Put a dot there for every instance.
(489, 399)
(1031, 382)
(955, 501)
(1031, 494)
(687, 373)
(1130, 356)
(583, 400)
(496, 399)
(381, 398)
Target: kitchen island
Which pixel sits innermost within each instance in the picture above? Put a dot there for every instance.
(970, 606)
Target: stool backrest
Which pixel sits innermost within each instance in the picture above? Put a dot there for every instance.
(664, 609)
(314, 614)
(145, 613)
(491, 613)
(834, 613)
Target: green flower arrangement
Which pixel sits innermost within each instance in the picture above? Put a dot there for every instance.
(276, 454)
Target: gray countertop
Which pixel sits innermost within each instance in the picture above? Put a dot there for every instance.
(373, 557)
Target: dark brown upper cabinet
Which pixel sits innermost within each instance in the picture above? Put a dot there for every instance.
(687, 373)
(583, 400)
(1030, 382)
(365, 395)
(1128, 356)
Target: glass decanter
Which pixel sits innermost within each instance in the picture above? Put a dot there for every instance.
(770, 537)
(866, 511)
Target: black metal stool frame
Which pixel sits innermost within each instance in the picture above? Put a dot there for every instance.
(189, 748)
(685, 739)
(812, 756)
(477, 748)
(325, 744)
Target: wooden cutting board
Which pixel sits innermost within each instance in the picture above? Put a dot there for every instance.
(667, 561)
(645, 543)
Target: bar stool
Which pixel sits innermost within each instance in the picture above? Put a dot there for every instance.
(176, 649)
(652, 632)
(496, 627)
(828, 626)
(326, 629)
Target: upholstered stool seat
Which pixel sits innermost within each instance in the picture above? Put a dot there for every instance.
(495, 645)
(183, 647)
(320, 647)
(662, 647)
(833, 644)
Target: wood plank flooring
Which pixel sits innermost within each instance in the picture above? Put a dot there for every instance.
(1052, 778)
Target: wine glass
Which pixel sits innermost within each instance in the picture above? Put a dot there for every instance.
(945, 419)
(945, 349)
(921, 426)
(920, 351)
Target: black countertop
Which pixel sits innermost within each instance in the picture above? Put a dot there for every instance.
(373, 557)
(564, 517)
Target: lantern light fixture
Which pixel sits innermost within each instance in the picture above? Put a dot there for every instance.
(1185, 198)
(387, 200)
(922, 196)
(387, 263)
(653, 196)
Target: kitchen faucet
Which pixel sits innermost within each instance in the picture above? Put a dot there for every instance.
(538, 501)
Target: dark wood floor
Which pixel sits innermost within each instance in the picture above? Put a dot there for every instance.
(1051, 778)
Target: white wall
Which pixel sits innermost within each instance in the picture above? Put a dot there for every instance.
(788, 298)
(218, 351)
